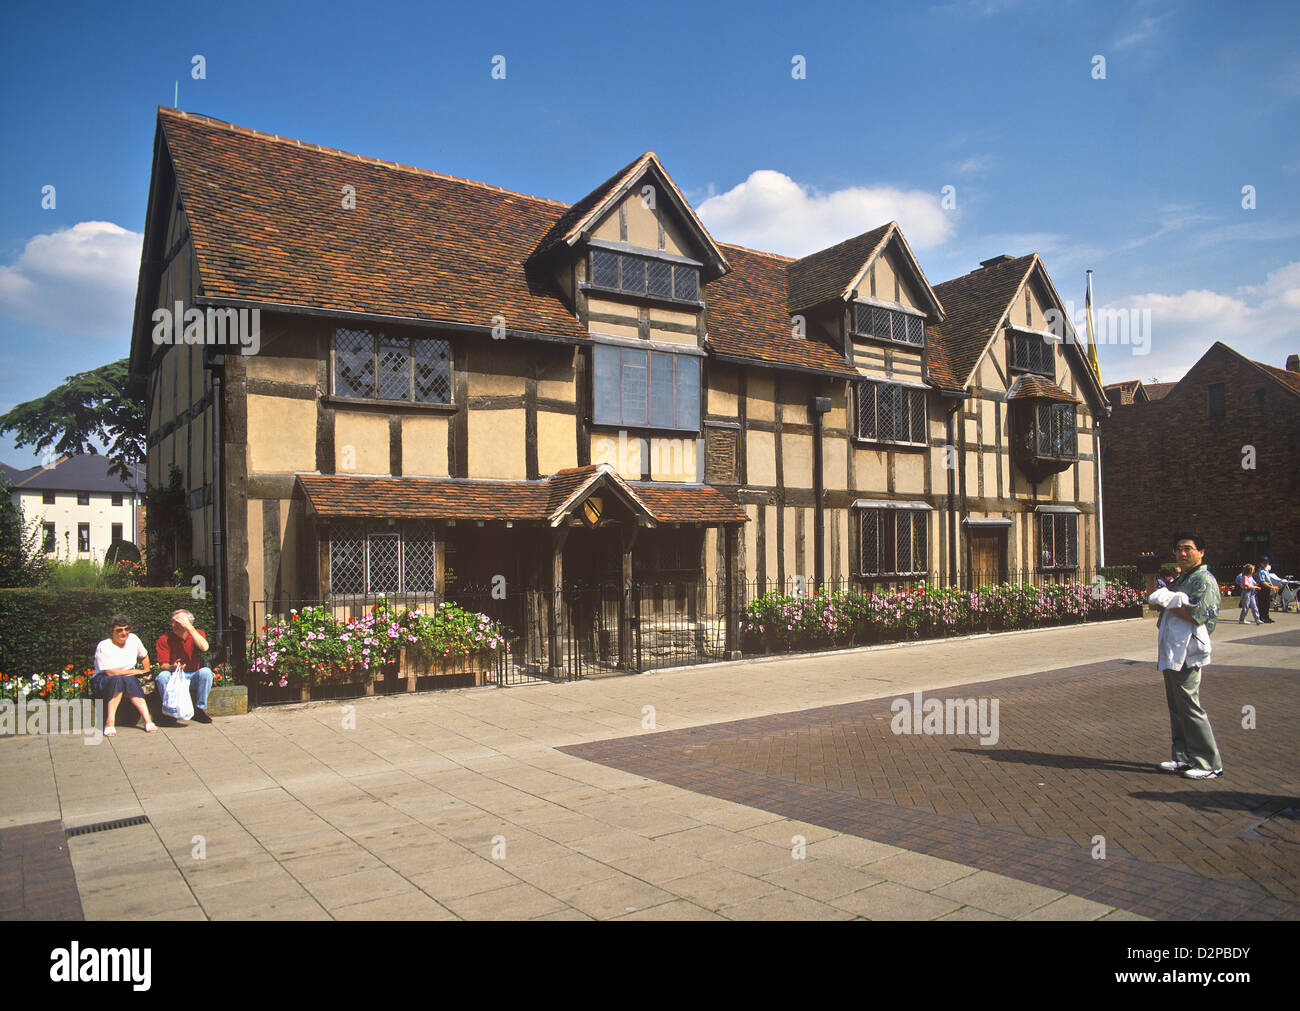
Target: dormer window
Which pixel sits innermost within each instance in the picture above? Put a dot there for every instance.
(888, 324)
(643, 275)
(1031, 353)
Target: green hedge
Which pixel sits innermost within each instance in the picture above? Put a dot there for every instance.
(44, 630)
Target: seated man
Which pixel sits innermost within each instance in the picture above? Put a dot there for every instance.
(186, 645)
(115, 672)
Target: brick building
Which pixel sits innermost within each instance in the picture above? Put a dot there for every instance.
(1231, 429)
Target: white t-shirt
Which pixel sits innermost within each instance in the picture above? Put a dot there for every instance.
(110, 657)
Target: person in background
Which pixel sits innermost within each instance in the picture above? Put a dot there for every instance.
(1248, 589)
(184, 645)
(1267, 584)
(115, 673)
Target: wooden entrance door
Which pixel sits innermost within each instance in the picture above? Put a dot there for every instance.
(988, 557)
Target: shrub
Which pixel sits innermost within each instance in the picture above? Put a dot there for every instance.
(121, 550)
(47, 629)
(848, 618)
(83, 574)
(314, 645)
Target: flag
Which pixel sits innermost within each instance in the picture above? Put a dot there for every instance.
(1092, 336)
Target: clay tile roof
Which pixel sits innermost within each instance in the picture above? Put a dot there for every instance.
(1157, 390)
(1122, 393)
(821, 276)
(566, 222)
(347, 497)
(1027, 386)
(749, 316)
(974, 305)
(1291, 380)
(268, 226)
(677, 503)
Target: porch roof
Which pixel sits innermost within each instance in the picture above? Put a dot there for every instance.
(1028, 386)
(548, 500)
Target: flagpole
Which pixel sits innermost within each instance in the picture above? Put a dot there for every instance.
(1096, 368)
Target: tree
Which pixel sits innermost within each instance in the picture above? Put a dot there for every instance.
(90, 409)
(22, 558)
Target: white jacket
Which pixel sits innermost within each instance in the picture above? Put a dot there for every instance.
(1178, 641)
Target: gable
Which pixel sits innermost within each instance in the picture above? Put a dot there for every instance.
(647, 223)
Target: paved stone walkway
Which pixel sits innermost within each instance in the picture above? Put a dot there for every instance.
(461, 805)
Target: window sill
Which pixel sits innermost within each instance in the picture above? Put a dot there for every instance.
(918, 348)
(888, 446)
(336, 401)
(640, 430)
(667, 301)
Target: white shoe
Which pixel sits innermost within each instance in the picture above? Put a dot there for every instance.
(1202, 774)
(1172, 766)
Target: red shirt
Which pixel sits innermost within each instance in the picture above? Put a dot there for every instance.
(172, 647)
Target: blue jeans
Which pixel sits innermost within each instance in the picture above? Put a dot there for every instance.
(202, 678)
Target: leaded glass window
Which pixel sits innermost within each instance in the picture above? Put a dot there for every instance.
(890, 412)
(376, 366)
(888, 324)
(373, 557)
(893, 542)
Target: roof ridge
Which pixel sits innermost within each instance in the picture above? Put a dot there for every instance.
(350, 155)
(760, 252)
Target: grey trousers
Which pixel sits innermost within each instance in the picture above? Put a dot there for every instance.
(1193, 740)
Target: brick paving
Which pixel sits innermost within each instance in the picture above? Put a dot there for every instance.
(36, 877)
(1074, 761)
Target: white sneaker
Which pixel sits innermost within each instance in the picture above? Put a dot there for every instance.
(1202, 773)
(1172, 766)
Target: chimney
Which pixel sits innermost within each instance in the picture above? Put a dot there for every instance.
(1000, 258)
(1293, 363)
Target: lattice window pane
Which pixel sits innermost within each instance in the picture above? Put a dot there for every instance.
(1047, 548)
(1070, 538)
(394, 368)
(419, 571)
(861, 318)
(604, 268)
(354, 363)
(432, 372)
(633, 278)
(385, 547)
(915, 330)
(903, 558)
(888, 413)
(347, 558)
(660, 277)
(866, 410)
(920, 543)
(686, 283)
(870, 542)
(917, 401)
(881, 322)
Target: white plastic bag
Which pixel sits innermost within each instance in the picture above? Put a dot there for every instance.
(176, 701)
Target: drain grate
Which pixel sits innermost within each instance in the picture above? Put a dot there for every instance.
(104, 826)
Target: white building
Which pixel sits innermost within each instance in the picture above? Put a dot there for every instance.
(79, 507)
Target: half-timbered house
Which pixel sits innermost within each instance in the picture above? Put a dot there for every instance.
(455, 385)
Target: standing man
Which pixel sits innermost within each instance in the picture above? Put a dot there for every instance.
(1195, 753)
(1267, 584)
(185, 644)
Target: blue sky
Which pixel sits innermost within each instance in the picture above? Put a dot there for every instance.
(1138, 175)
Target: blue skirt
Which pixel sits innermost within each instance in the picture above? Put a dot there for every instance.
(105, 686)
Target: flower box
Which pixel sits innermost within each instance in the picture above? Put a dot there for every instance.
(414, 663)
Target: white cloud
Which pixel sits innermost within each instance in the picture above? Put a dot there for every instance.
(1146, 28)
(79, 280)
(977, 163)
(772, 212)
(1259, 321)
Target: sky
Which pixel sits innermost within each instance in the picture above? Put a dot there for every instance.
(1153, 142)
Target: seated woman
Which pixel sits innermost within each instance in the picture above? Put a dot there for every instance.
(115, 671)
